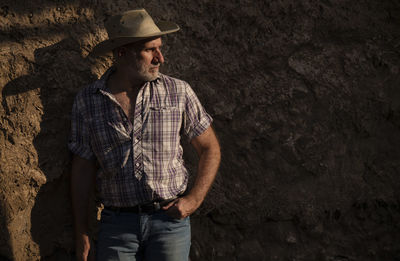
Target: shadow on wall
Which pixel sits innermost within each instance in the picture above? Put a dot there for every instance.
(59, 72)
(5, 235)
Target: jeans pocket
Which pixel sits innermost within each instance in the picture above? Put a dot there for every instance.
(178, 220)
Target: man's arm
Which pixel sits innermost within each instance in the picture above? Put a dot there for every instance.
(208, 149)
(82, 186)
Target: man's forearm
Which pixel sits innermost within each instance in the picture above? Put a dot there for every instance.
(207, 170)
(82, 186)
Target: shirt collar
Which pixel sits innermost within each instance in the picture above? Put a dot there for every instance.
(101, 84)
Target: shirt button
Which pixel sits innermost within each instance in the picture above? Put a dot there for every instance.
(136, 140)
(137, 164)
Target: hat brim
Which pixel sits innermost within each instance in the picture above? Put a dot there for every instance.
(110, 44)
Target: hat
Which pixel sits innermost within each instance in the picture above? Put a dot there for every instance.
(129, 27)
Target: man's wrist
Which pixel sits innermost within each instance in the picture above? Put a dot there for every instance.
(195, 198)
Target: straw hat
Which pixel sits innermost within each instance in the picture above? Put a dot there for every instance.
(129, 27)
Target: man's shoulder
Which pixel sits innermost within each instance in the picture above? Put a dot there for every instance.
(90, 89)
(86, 97)
(97, 85)
(168, 80)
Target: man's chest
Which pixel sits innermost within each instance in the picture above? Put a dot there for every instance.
(127, 103)
(148, 117)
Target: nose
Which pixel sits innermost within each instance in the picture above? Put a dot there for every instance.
(158, 57)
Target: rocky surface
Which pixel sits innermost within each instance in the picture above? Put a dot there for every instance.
(306, 101)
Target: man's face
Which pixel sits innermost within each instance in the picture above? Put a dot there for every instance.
(146, 59)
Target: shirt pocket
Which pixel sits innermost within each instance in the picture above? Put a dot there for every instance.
(162, 127)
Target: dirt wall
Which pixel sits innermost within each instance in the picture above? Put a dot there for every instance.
(306, 103)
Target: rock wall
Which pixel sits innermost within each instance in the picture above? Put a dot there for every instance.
(305, 97)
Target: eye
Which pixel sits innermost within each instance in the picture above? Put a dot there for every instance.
(153, 49)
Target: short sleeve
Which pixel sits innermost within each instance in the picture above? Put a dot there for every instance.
(196, 119)
(79, 141)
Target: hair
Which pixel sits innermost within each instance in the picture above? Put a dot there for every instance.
(134, 47)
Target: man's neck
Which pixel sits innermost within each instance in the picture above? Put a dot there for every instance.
(122, 81)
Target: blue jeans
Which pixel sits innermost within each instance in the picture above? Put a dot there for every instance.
(142, 237)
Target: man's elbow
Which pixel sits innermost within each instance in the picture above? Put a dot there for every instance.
(217, 151)
(213, 150)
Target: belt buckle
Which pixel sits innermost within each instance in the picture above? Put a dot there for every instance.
(156, 206)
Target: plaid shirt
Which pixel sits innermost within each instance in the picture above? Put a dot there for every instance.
(142, 161)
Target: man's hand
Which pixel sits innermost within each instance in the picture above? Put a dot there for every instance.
(84, 249)
(181, 207)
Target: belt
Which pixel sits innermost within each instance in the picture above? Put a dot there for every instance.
(144, 208)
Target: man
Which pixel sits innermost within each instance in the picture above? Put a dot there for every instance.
(126, 131)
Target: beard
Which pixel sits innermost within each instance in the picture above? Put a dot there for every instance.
(147, 73)
(142, 71)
